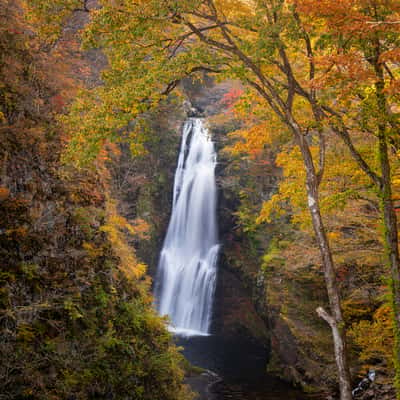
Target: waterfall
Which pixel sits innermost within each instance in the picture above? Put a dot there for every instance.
(187, 267)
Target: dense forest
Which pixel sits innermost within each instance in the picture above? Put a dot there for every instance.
(302, 101)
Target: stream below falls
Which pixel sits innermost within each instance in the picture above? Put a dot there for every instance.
(234, 370)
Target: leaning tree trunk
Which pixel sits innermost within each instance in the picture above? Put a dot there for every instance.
(335, 320)
(389, 216)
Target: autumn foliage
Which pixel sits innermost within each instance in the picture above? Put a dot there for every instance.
(318, 110)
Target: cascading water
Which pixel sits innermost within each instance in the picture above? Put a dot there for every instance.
(187, 268)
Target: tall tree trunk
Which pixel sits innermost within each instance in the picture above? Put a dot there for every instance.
(389, 215)
(335, 320)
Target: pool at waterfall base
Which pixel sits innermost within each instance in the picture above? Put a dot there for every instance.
(234, 369)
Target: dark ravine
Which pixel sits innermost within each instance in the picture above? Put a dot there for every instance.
(236, 355)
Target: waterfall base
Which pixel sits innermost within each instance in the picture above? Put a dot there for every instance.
(186, 333)
(238, 370)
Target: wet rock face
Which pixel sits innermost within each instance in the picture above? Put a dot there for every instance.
(283, 343)
(235, 314)
(240, 308)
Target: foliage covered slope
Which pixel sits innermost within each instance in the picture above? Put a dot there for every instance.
(76, 317)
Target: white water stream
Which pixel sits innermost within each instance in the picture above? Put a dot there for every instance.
(187, 268)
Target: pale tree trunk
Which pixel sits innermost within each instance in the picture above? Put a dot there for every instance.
(335, 320)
